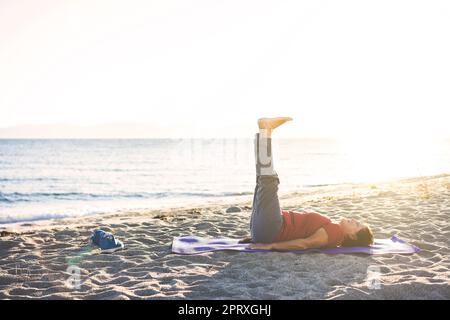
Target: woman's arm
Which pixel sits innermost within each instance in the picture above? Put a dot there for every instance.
(317, 240)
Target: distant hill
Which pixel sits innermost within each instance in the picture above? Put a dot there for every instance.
(121, 131)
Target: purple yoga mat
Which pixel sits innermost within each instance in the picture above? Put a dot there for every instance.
(196, 245)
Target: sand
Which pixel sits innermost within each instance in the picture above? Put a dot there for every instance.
(35, 256)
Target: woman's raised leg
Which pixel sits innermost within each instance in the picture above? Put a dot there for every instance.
(266, 220)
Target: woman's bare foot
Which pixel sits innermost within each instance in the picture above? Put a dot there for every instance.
(272, 123)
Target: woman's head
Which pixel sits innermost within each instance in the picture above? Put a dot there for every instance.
(355, 233)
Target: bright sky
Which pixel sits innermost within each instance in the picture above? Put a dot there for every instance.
(359, 68)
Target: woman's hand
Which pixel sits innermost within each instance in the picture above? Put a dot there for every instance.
(264, 246)
(246, 240)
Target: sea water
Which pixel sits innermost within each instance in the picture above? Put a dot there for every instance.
(43, 179)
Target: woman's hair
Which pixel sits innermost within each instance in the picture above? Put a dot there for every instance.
(364, 238)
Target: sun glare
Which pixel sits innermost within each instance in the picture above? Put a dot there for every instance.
(383, 156)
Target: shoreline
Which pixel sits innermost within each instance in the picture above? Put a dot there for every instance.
(286, 199)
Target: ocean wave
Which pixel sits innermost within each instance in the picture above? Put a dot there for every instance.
(3, 198)
(28, 179)
(15, 197)
(6, 219)
(321, 185)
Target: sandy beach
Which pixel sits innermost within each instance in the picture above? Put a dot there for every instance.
(35, 256)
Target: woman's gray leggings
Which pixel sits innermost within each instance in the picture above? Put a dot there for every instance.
(266, 220)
